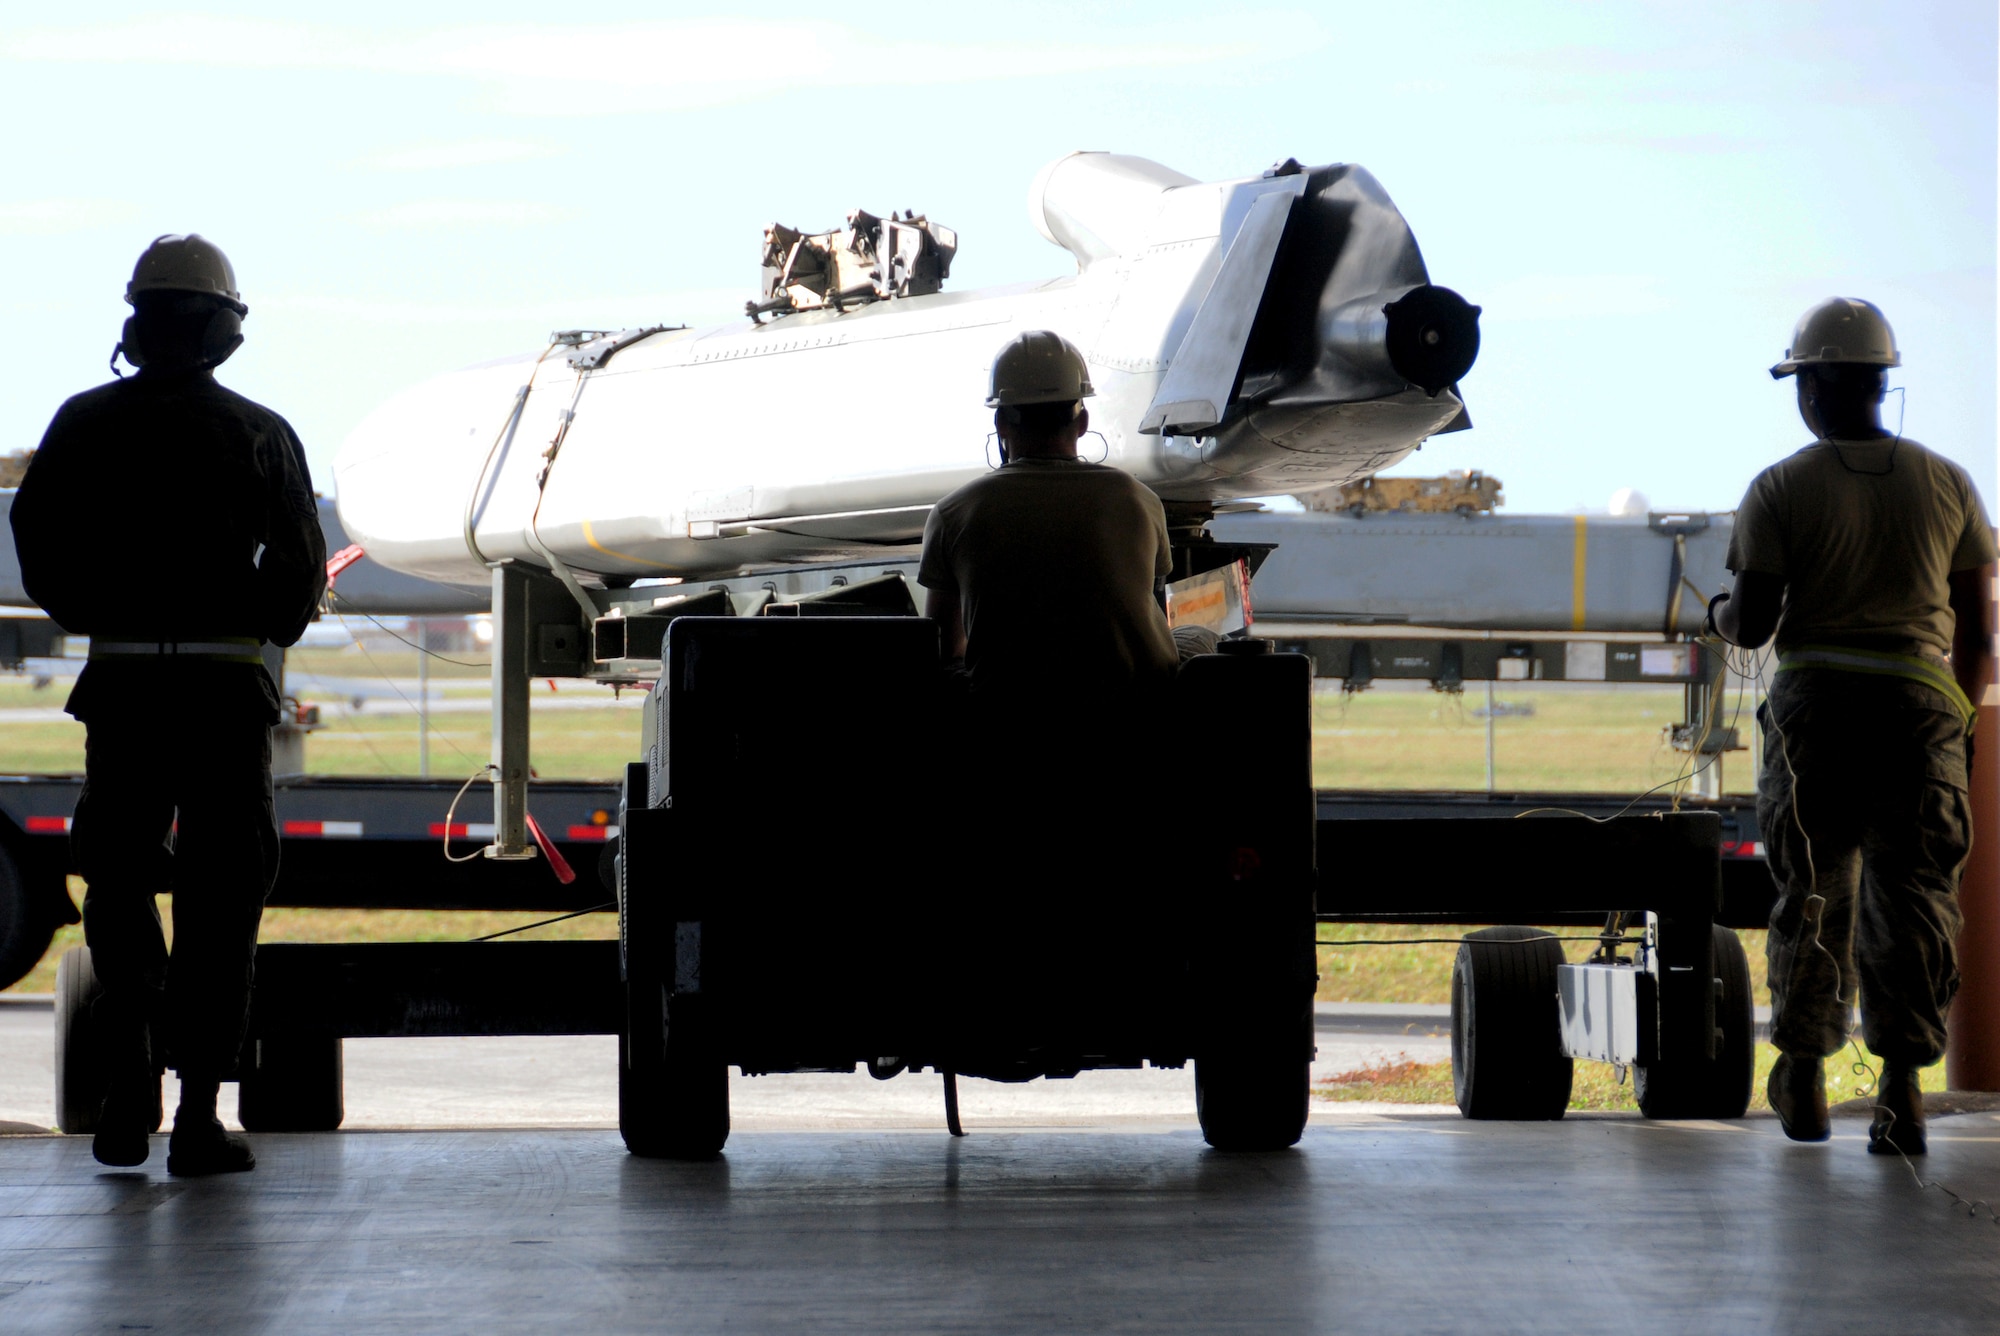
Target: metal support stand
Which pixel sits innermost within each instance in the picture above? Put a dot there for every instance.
(422, 628)
(1489, 735)
(510, 714)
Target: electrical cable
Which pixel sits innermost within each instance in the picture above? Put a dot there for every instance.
(452, 811)
(560, 918)
(1973, 1205)
(383, 673)
(505, 436)
(441, 658)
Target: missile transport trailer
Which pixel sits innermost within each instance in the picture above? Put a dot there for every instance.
(694, 509)
(1682, 881)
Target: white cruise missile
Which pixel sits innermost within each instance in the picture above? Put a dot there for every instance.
(1267, 335)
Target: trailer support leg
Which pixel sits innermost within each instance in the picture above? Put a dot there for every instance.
(510, 714)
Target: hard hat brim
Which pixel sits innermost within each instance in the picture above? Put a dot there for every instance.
(1018, 400)
(236, 304)
(1792, 365)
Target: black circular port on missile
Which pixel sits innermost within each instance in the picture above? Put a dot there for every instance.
(1433, 337)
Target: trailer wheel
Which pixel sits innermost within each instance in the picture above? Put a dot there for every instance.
(80, 1082)
(25, 926)
(1719, 1087)
(673, 1089)
(292, 1083)
(1254, 1099)
(1507, 1059)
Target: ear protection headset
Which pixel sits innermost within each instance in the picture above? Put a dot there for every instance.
(220, 337)
(1011, 415)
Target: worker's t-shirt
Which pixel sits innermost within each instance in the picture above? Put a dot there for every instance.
(1865, 534)
(1054, 564)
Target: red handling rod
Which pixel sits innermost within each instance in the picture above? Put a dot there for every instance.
(557, 863)
(341, 560)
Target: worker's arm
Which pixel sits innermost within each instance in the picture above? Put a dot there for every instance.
(52, 532)
(941, 606)
(1972, 641)
(1749, 613)
(291, 573)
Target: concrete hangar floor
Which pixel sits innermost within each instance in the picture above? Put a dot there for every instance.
(865, 1216)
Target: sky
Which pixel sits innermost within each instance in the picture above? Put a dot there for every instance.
(1643, 197)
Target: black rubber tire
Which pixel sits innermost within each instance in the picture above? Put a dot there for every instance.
(1253, 1101)
(25, 926)
(292, 1083)
(1720, 1087)
(1507, 1059)
(673, 1090)
(80, 1081)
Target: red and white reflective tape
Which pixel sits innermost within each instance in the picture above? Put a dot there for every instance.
(593, 832)
(48, 825)
(325, 830)
(1743, 849)
(462, 830)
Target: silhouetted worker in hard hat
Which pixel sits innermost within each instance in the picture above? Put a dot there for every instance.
(1870, 559)
(172, 521)
(1042, 575)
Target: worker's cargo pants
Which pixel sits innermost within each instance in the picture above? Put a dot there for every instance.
(1866, 818)
(180, 804)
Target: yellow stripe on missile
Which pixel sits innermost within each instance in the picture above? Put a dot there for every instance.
(590, 536)
(1577, 581)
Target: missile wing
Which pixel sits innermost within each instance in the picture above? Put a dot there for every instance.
(1271, 334)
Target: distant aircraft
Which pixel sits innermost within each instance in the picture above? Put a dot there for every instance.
(1251, 337)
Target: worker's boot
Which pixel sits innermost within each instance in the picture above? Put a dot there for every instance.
(200, 1144)
(131, 1112)
(1899, 1113)
(1798, 1096)
(131, 1109)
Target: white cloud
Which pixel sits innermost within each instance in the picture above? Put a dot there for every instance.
(581, 68)
(432, 213)
(49, 217)
(460, 153)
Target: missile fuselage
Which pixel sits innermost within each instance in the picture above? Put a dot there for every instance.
(827, 435)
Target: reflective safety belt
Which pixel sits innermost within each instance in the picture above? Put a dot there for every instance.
(1911, 668)
(221, 649)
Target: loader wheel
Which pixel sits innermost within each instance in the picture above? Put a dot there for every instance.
(1718, 1087)
(1255, 1098)
(1507, 1059)
(673, 1088)
(291, 1083)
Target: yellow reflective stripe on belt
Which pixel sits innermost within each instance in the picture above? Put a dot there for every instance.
(1909, 667)
(219, 649)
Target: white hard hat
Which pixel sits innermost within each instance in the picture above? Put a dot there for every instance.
(1039, 366)
(190, 263)
(1840, 329)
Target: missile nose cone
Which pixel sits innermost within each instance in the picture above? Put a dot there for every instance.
(1433, 337)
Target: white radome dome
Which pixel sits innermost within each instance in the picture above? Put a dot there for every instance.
(1629, 503)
